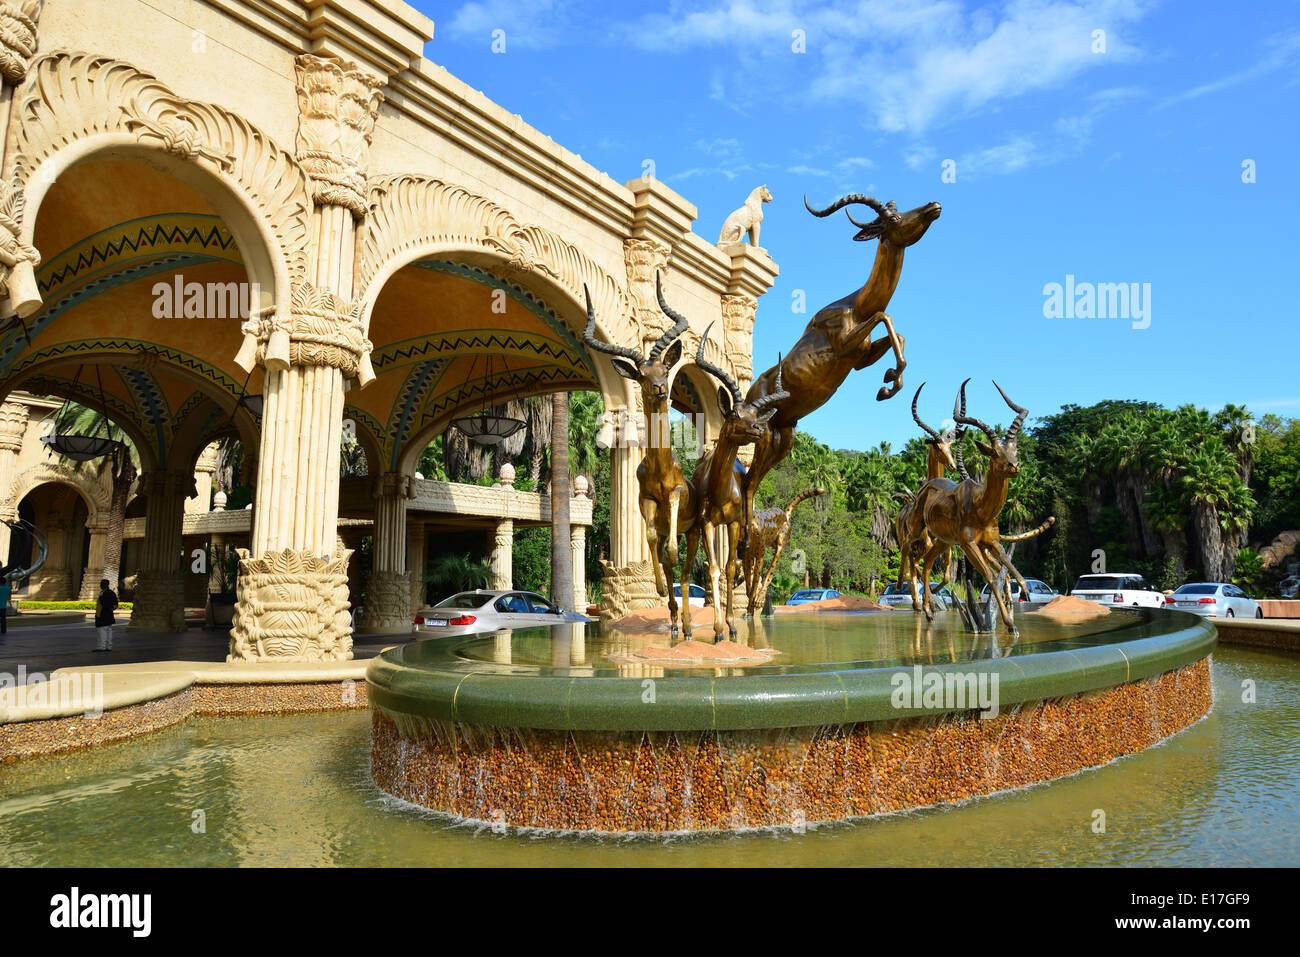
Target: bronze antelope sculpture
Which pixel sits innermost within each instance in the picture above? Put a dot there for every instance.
(768, 529)
(838, 338)
(908, 525)
(719, 488)
(667, 499)
(965, 514)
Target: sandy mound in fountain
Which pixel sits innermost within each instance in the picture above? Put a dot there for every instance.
(695, 652)
(658, 618)
(1073, 607)
(843, 603)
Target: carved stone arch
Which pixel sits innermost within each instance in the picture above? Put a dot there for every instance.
(369, 432)
(416, 217)
(77, 106)
(97, 497)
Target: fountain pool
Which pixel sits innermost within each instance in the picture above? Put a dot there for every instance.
(856, 714)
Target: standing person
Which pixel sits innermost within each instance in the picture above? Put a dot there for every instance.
(6, 590)
(104, 608)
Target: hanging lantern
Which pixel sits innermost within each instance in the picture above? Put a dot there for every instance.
(487, 428)
(81, 448)
(78, 446)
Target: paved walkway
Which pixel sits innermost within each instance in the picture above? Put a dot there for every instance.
(41, 649)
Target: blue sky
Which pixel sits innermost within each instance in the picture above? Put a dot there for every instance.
(1115, 166)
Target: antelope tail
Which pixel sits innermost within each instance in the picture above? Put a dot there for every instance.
(1030, 534)
(789, 512)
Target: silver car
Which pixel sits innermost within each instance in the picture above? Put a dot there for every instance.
(471, 612)
(1040, 593)
(899, 595)
(1214, 600)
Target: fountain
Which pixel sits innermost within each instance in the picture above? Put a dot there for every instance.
(802, 719)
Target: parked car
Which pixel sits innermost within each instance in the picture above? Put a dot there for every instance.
(1040, 593)
(812, 594)
(1214, 600)
(899, 595)
(695, 591)
(1116, 589)
(471, 612)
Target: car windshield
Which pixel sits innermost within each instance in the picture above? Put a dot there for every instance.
(894, 589)
(1197, 590)
(806, 594)
(1015, 588)
(467, 599)
(1099, 583)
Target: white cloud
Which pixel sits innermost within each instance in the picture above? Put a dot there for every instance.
(1282, 50)
(537, 24)
(909, 62)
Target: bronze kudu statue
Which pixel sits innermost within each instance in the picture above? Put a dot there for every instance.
(838, 339)
(768, 529)
(908, 524)
(719, 488)
(965, 514)
(667, 499)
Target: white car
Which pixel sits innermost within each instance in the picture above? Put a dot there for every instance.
(695, 591)
(899, 595)
(1214, 600)
(1117, 589)
(474, 612)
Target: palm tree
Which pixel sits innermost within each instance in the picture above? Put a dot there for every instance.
(539, 416)
(561, 550)
(457, 573)
(1208, 484)
(77, 419)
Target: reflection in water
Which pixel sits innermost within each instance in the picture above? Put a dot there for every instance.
(804, 642)
(297, 790)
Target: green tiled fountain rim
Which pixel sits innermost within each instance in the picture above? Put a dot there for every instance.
(448, 687)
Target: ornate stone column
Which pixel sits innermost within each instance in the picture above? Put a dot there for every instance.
(97, 525)
(18, 261)
(578, 542)
(415, 551)
(501, 555)
(293, 592)
(388, 590)
(13, 426)
(203, 471)
(159, 603)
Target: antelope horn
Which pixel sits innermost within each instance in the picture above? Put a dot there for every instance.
(889, 210)
(773, 397)
(959, 415)
(721, 374)
(933, 434)
(678, 327)
(1020, 413)
(609, 348)
(849, 200)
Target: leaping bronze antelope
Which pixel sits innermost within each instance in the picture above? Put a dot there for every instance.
(667, 500)
(965, 514)
(838, 338)
(719, 482)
